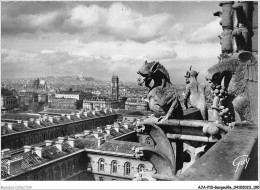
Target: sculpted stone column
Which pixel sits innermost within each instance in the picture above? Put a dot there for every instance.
(255, 27)
(242, 31)
(227, 26)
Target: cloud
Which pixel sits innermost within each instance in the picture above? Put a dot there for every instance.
(186, 50)
(207, 33)
(118, 21)
(161, 55)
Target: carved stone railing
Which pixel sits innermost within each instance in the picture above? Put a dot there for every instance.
(174, 145)
(175, 148)
(226, 160)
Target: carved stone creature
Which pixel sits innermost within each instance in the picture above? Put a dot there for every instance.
(196, 93)
(234, 81)
(163, 98)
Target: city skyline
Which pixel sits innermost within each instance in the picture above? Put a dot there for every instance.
(57, 38)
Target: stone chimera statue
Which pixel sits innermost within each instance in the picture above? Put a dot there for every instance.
(163, 98)
(196, 93)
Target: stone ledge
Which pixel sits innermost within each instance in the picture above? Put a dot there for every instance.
(192, 113)
(217, 163)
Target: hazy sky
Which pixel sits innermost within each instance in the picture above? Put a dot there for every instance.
(99, 38)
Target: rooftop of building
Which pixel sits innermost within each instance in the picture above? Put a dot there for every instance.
(23, 122)
(71, 92)
(133, 112)
(99, 98)
(97, 140)
(31, 158)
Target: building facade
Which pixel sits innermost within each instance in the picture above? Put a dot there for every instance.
(136, 104)
(78, 95)
(27, 97)
(43, 98)
(100, 103)
(62, 103)
(9, 102)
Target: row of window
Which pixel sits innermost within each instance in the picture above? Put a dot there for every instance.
(102, 179)
(10, 102)
(114, 166)
(58, 172)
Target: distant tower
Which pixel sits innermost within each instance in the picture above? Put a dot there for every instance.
(115, 86)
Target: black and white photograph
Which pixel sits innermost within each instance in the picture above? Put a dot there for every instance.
(105, 94)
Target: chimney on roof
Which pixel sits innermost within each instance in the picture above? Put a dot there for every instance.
(71, 141)
(78, 115)
(19, 121)
(58, 145)
(51, 119)
(95, 134)
(5, 153)
(25, 123)
(86, 132)
(44, 117)
(79, 136)
(10, 126)
(38, 151)
(38, 121)
(108, 126)
(108, 131)
(125, 125)
(48, 142)
(27, 148)
(61, 139)
(138, 121)
(14, 166)
(99, 129)
(116, 127)
(100, 141)
(68, 116)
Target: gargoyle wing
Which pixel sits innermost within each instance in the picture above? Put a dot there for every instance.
(167, 97)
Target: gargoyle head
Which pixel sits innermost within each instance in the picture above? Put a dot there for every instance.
(146, 72)
(222, 73)
(191, 74)
(229, 72)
